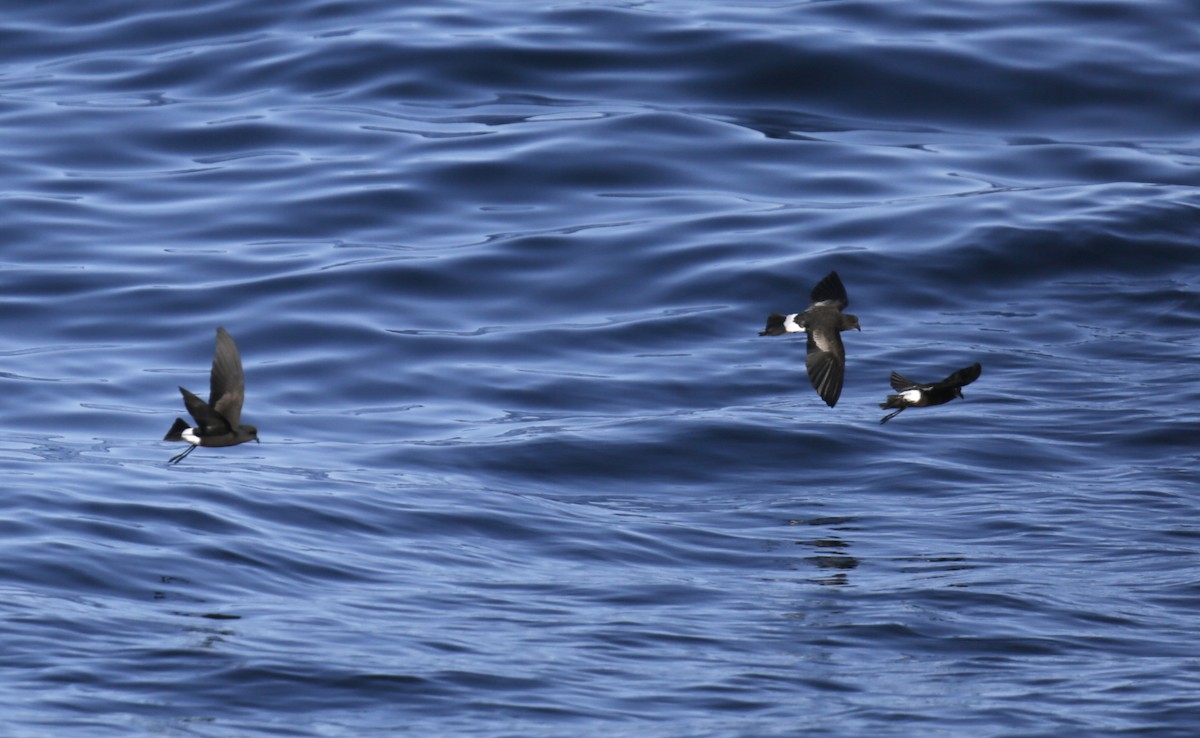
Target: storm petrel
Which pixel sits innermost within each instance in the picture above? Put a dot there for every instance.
(914, 394)
(824, 322)
(218, 420)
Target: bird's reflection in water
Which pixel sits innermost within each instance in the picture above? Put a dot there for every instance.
(829, 552)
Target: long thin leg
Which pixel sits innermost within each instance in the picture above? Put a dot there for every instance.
(889, 416)
(179, 457)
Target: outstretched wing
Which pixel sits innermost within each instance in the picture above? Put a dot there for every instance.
(826, 362)
(830, 290)
(228, 382)
(965, 376)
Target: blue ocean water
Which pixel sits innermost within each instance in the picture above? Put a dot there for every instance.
(497, 270)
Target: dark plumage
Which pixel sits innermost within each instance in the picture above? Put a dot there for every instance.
(218, 421)
(914, 394)
(824, 322)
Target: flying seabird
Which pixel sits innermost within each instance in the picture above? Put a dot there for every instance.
(824, 322)
(914, 394)
(218, 421)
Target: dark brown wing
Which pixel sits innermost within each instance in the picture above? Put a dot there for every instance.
(832, 291)
(901, 383)
(965, 376)
(826, 363)
(228, 382)
(208, 421)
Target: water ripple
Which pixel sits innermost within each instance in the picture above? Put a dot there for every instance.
(497, 273)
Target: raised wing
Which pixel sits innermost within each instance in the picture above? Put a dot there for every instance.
(832, 291)
(900, 383)
(228, 382)
(208, 421)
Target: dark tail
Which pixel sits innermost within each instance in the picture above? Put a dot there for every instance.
(176, 432)
(774, 325)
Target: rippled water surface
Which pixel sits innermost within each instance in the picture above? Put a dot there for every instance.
(497, 271)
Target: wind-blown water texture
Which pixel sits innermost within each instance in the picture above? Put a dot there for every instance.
(496, 271)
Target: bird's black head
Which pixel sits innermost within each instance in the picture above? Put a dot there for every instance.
(850, 321)
(247, 433)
